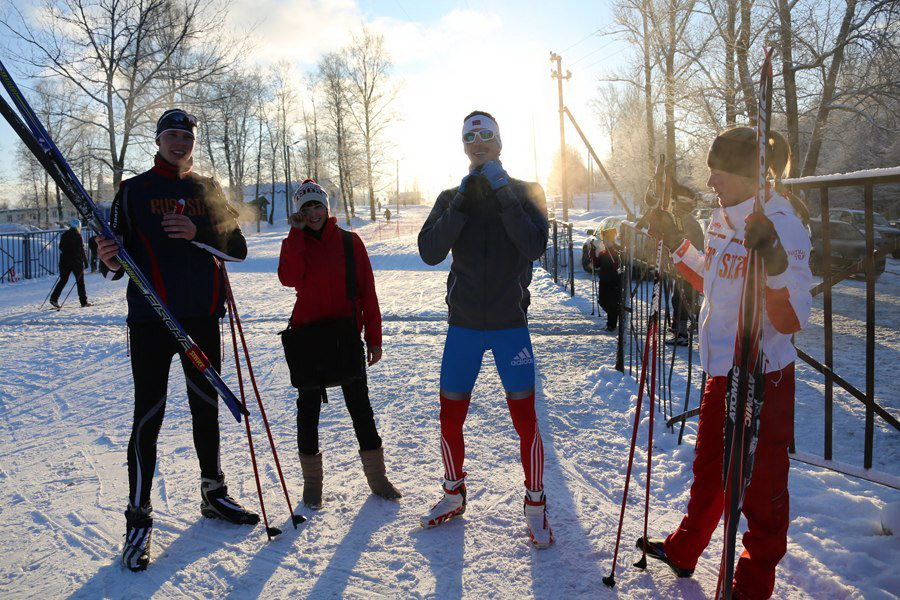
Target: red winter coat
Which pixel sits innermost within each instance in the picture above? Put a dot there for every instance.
(316, 268)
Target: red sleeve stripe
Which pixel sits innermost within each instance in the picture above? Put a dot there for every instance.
(780, 311)
(690, 276)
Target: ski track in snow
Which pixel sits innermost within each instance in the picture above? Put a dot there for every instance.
(65, 411)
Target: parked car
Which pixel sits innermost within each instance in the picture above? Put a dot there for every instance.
(848, 246)
(857, 218)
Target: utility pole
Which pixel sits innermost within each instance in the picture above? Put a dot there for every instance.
(557, 74)
(397, 181)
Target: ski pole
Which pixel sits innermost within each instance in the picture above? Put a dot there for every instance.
(642, 562)
(52, 287)
(270, 531)
(610, 581)
(295, 519)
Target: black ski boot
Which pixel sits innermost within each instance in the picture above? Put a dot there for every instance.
(217, 504)
(655, 549)
(138, 529)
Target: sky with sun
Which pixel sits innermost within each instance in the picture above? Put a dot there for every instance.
(450, 57)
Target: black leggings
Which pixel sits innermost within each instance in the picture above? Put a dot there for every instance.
(356, 396)
(64, 271)
(608, 297)
(152, 349)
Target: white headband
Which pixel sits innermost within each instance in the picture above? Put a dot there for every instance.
(482, 122)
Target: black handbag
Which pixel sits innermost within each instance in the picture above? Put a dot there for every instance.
(327, 353)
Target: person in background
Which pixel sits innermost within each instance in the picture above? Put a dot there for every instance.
(92, 250)
(684, 297)
(72, 261)
(496, 227)
(179, 253)
(313, 263)
(779, 235)
(606, 260)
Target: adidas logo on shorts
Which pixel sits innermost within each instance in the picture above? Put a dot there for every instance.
(522, 358)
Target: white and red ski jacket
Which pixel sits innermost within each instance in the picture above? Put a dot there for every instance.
(719, 274)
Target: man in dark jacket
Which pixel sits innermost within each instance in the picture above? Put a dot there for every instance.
(684, 297)
(496, 227)
(72, 261)
(178, 252)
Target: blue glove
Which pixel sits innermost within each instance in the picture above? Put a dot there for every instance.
(496, 176)
(467, 179)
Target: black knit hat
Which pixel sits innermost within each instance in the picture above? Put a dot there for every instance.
(177, 119)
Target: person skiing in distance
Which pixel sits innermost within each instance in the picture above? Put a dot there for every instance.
(72, 261)
(312, 262)
(180, 251)
(718, 272)
(496, 227)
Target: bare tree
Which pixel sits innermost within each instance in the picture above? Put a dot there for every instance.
(332, 73)
(312, 154)
(368, 73)
(127, 57)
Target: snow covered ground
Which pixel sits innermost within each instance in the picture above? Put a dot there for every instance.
(65, 410)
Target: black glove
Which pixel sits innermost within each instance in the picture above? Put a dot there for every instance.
(760, 235)
(662, 227)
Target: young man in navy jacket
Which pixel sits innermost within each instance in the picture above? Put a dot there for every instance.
(179, 253)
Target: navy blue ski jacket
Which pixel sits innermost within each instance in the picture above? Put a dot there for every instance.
(183, 273)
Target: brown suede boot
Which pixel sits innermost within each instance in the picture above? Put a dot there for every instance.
(312, 480)
(373, 467)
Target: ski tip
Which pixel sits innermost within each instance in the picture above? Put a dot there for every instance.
(609, 581)
(297, 519)
(272, 532)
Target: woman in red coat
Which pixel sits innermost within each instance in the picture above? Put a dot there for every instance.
(313, 262)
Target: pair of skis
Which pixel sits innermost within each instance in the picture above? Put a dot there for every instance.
(746, 380)
(28, 127)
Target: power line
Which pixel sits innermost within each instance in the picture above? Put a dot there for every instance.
(581, 40)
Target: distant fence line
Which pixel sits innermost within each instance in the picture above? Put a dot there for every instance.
(31, 255)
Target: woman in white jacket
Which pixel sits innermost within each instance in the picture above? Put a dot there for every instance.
(718, 273)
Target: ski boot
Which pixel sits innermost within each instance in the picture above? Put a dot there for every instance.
(217, 504)
(656, 549)
(536, 519)
(450, 506)
(138, 529)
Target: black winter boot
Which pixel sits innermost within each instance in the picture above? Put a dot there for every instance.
(138, 528)
(217, 504)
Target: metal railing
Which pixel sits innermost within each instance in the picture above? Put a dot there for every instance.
(29, 255)
(867, 181)
(559, 258)
(32, 254)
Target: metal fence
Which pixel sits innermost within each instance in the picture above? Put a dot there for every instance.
(638, 267)
(864, 183)
(33, 254)
(559, 258)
